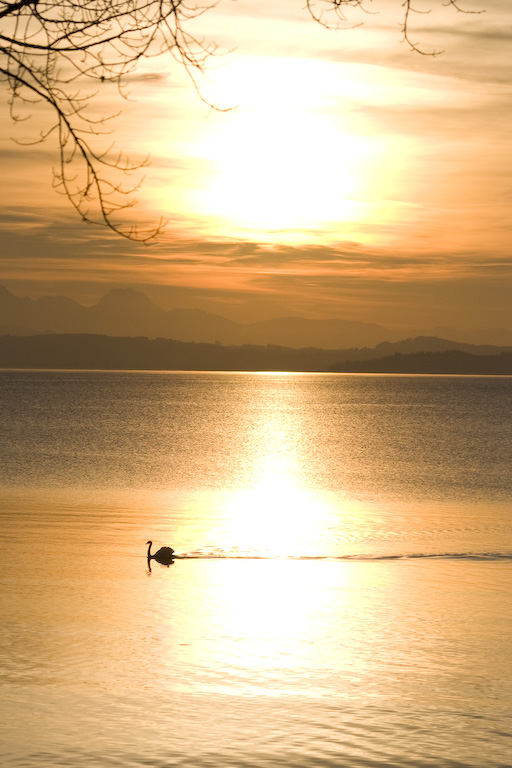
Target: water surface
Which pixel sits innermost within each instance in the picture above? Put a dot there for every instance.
(342, 591)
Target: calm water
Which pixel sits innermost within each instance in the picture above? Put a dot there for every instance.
(342, 592)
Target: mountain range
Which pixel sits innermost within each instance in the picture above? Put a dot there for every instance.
(127, 312)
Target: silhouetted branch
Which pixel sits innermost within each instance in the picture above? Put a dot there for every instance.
(49, 49)
(334, 15)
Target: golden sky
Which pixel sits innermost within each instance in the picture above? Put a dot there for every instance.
(351, 177)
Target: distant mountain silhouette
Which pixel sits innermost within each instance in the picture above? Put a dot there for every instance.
(303, 332)
(89, 351)
(48, 313)
(452, 361)
(480, 336)
(15, 330)
(431, 344)
(127, 312)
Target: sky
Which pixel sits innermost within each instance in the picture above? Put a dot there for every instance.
(342, 175)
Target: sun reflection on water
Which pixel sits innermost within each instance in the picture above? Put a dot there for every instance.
(276, 514)
(276, 517)
(263, 624)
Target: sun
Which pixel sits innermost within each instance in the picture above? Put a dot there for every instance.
(271, 171)
(287, 158)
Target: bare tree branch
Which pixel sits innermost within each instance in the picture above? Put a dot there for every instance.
(336, 14)
(49, 49)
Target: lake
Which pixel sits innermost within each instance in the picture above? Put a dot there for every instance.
(341, 592)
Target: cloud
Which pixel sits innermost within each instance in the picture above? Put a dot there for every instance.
(145, 77)
(12, 218)
(247, 280)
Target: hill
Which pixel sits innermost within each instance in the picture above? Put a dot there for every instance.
(89, 351)
(450, 361)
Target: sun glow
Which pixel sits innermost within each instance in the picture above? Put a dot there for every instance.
(274, 173)
(287, 158)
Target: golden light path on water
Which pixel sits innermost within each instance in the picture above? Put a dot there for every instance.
(273, 608)
(277, 514)
(273, 501)
(265, 626)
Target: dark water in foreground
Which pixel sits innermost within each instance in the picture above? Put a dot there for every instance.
(342, 595)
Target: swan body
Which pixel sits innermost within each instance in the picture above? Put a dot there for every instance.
(164, 555)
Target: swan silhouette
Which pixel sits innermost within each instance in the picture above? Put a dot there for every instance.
(164, 556)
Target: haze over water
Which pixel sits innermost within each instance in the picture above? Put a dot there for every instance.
(341, 595)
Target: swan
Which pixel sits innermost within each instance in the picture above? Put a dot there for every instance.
(163, 556)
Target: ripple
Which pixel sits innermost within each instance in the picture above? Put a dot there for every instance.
(229, 555)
